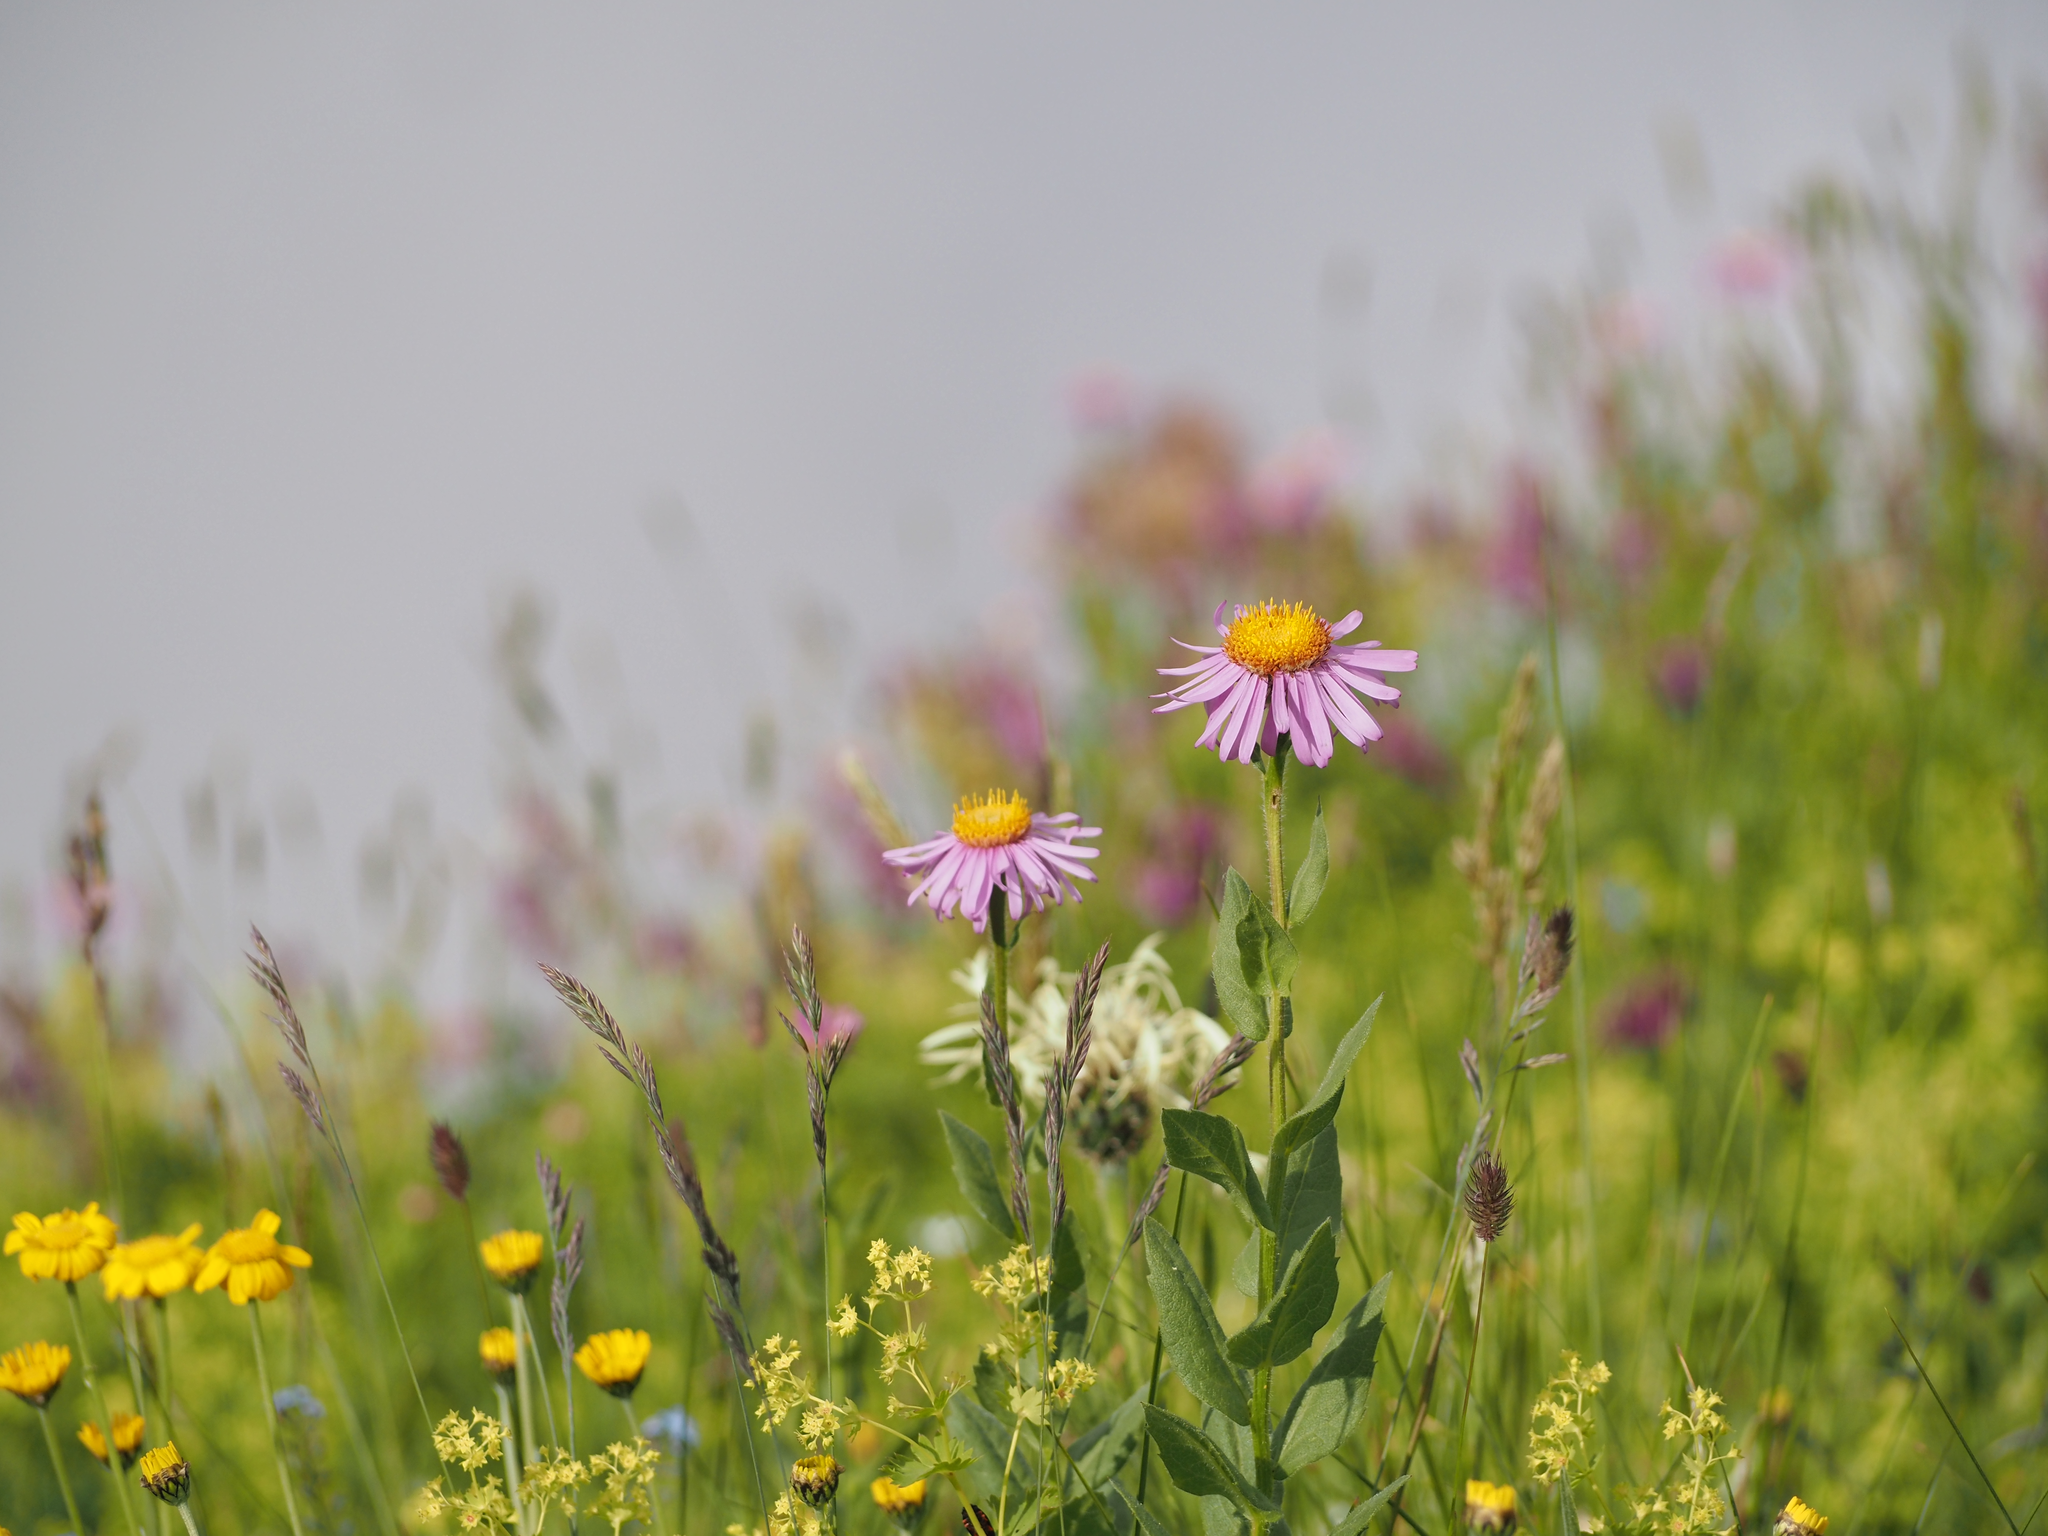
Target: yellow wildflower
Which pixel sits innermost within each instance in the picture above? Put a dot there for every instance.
(153, 1266)
(1800, 1518)
(34, 1372)
(512, 1257)
(165, 1474)
(815, 1480)
(1561, 1417)
(66, 1245)
(469, 1445)
(252, 1262)
(498, 1348)
(775, 1375)
(903, 1503)
(1017, 1279)
(616, 1360)
(127, 1438)
(847, 1321)
(1489, 1506)
(1067, 1378)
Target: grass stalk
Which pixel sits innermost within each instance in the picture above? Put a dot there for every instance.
(284, 1474)
(99, 1399)
(57, 1465)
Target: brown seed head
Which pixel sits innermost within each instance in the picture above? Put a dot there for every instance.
(1489, 1198)
(451, 1161)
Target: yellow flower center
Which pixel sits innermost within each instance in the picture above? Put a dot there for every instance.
(1277, 637)
(992, 820)
(246, 1245)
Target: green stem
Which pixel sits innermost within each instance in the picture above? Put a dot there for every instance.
(163, 1364)
(522, 1323)
(191, 1525)
(1000, 939)
(825, 1267)
(511, 1458)
(57, 1461)
(131, 1338)
(1274, 805)
(653, 1488)
(100, 1402)
(284, 1474)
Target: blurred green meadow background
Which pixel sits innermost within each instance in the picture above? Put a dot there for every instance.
(1784, 610)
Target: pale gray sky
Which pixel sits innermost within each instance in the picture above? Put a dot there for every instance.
(321, 327)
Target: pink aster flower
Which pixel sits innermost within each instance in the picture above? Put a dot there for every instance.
(998, 843)
(1279, 673)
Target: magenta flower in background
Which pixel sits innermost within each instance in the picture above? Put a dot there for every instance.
(997, 843)
(1648, 1012)
(837, 1025)
(1682, 676)
(1278, 671)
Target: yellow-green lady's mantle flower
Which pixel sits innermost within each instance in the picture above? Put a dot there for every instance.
(66, 1245)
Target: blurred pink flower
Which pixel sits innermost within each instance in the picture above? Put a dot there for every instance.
(997, 843)
(1278, 671)
(1632, 547)
(1752, 264)
(1648, 1011)
(1628, 325)
(1103, 400)
(1682, 675)
(1293, 489)
(1166, 886)
(1514, 562)
(836, 1023)
(1410, 751)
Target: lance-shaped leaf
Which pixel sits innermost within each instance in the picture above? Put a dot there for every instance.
(1101, 1453)
(1312, 874)
(1307, 1122)
(1356, 1523)
(1188, 1327)
(1332, 1402)
(1198, 1466)
(974, 1167)
(988, 1437)
(1311, 1192)
(1243, 1003)
(1066, 1297)
(1301, 1304)
(1211, 1147)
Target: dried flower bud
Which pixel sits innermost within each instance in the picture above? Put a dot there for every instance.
(815, 1480)
(451, 1162)
(1489, 1198)
(1799, 1518)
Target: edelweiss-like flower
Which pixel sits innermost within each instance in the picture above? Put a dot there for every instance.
(153, 1266)
(252, 1262)
(66, 1245)
(998, 843)
(1279, 672)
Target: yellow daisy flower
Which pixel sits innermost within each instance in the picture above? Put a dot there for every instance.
(615, 1360)
(1489, 1506)
(165, 1474)
(34, 1372)
(903, 1503)
(512, 1257)
(815, 1479)
(499, 1350)
(128, 1429)
(153, 1266)
(66, 1245)
(252, 1262)
(1800, 1518)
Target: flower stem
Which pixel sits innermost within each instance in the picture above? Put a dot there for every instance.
(1000, 940)
(654, 1485)
(511, 1459)
(100, 1402)
(284, 1475)
(191, 1525)
(522, 1324)
(57, 1461)
(1273, 804)
(132, 1341)
(163, 1363)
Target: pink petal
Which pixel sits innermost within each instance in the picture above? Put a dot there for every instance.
(1345, 625)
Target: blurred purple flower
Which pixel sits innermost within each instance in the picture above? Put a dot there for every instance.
(1293, 489)
(1751, 264)
(836, 1023)
(1648, 1012)
(1681, 675)
(1103, 400)
(1514, 562)
(1166, 887)
(1632, 548)
(1410, 751)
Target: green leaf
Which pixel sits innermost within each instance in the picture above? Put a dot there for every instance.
(1301, 1304)
(1332, 1402)
(1101, 1453)
(1356, 1522)
(988, 1437)
(1198, 1466)
(937, 1452)
(992, 1382)
(1066, 1300)
(1567, 1506)
(1312, 874)
(1239, 999)
(1144, 1521)
(1311, 1193)
(1307, 1123)
(1264, 950)
(974, 1166)
(1188, 1327)
(1210, 1147)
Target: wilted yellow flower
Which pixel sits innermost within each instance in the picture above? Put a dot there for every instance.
(165, 1474)
(1800, 1518)
(815, 1480)
(127, 1438)
(252, 1262)
(903, 1503)
(34, 1372)
(1489, 1506)
(66, 1245)
(153, 1266)
(616, 1360)
(499, 1350)
(512, 1257)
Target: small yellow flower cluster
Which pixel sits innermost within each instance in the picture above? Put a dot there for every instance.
(900, 1352)
(1017, 1279)
(1694, 1504)
(628, 1473)
(479, 1507)
(775, 1376)
(1561, 1417)
(469, 1445)
(821, 1424)
(901, 1276)
(792, 1518)
(1067, 1379)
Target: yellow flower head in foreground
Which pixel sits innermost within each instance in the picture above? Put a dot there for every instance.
(66, 1245)
(512, 1257)
(1800, 1518)
(252, 1262)
(615, 1360)
(153, 1266)
(1489, 1506)
(127, 1438)
(903, 1503)
(165, 1474)
(499, 1351)
(34, 1372)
